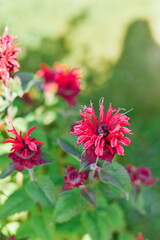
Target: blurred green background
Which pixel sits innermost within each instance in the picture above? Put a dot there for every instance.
(117, 45)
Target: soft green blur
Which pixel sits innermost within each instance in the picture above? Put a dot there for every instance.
(117, 45)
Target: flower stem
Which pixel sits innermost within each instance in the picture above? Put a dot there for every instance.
(31, 175)
(9, 99)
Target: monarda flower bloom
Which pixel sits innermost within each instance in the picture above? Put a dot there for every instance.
(49, 76)
(25, 151)
(74, 178)
(140, 237)
(8, 56)
(64, 81)
(103, 138)
(140, 175)
(68, 82)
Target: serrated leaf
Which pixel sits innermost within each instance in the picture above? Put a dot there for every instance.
(89, 195)
(10, 168)
(69, 144)
(16, 202)
(115, 174)
(69, 204)
(42, 191)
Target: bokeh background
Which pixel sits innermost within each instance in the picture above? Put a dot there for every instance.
(117, 45)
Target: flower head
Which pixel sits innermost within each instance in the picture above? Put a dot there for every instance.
(48, 75)
(73, 178)
(140, 237)
(68, 82)
(60, 78)
(140, 175)
(25, 151)
(104, 137)
(8, 56)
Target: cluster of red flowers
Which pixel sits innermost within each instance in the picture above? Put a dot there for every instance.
(8, 56)
(64, 81)
(103, 138)
(25, 152)
(140, 175)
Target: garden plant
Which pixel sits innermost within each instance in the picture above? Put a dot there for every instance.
(62, 159)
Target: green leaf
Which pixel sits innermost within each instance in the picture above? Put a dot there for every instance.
(27, 80)
(15, 86)
(16, 202)
(116, 217)
(69, 204)
(4, 160)
(26, 230)
(42, 191)
(10, 168)
(115, 174)
(89, 195)
(3, 104)
(69, 144)
(71, 229)
(41, 228)
(97, 225)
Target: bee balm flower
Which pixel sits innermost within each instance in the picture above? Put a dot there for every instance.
(140, 175)
(8, 56)
(68, 82)
(48, 75)
(64, 81)
(25, 151)
(103, 138)
(74, 178)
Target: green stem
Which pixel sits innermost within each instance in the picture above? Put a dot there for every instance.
(9, 99)
(31, 174)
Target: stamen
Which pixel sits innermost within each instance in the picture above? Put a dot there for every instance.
(100, 101)
(128, 111)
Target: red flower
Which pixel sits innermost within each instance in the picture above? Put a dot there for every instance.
(60, 78)
(25, 152)
(68, 82)
(140, 237)
(140, 175)
(8, 56)
(49, 76)
(102, 138)
(74, 178)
